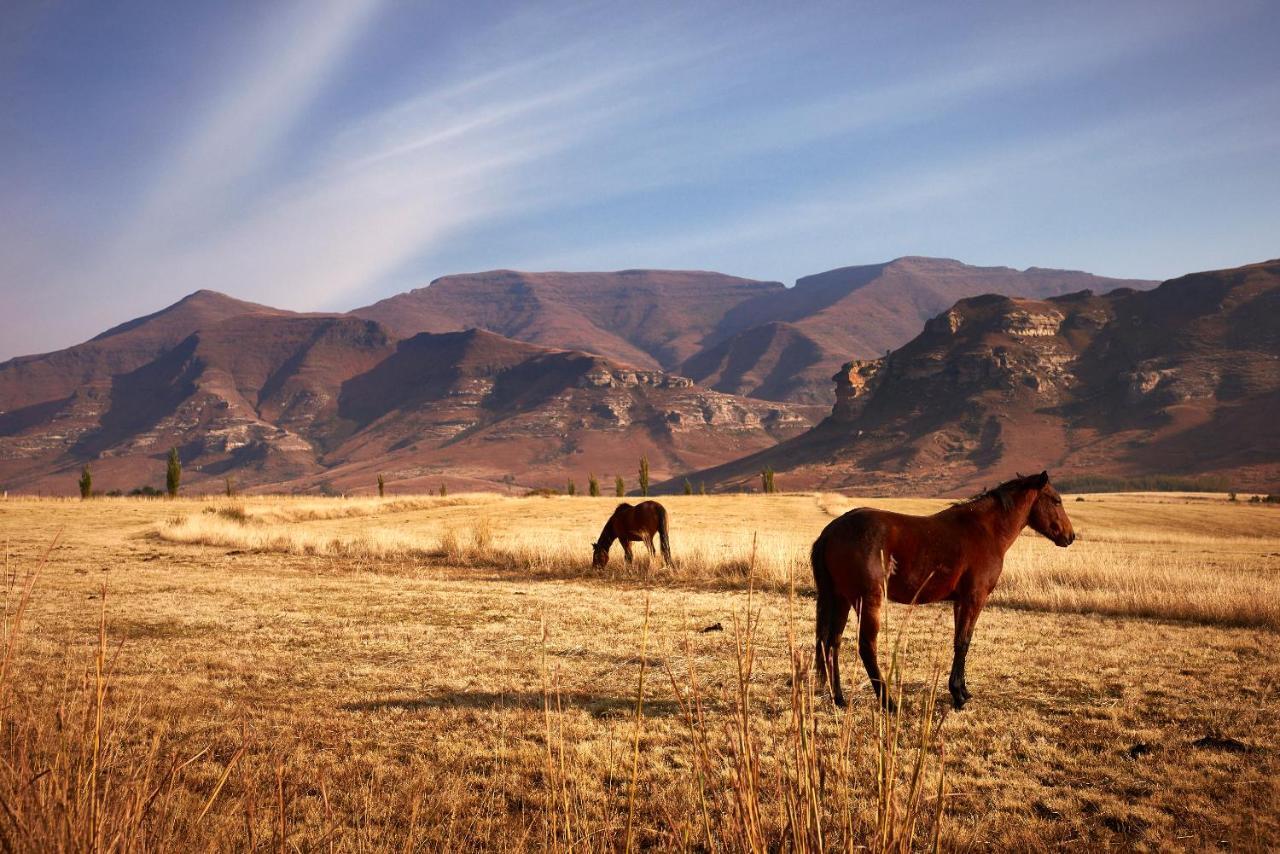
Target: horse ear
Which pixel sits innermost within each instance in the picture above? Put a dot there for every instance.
(1042, 479)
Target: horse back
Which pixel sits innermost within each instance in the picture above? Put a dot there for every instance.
(637, 520)
(915, 558)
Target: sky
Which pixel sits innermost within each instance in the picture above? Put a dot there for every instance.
(322, 155)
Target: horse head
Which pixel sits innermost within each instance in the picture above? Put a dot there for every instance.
(1048, 517)
(599, 556)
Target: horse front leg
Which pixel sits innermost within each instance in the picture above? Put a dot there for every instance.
(966, 611)
(626, 551)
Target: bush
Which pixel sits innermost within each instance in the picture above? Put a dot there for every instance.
(146, 492)
(593, 486)
(619, 488)
(382, 485)
(570, 488)
(1143, 483)
(542, 492)
(86, 483)
(644, 476)
(688, 487)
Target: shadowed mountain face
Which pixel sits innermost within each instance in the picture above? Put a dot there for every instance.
(651, 319)
(1181, 380)
(737, 336)
(297, 402)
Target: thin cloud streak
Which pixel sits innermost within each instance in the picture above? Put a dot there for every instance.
(613, 136)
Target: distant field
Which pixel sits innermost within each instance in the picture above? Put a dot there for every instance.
(426, 673)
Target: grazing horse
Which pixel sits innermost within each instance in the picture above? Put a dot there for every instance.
(956, 554)
(629, 525)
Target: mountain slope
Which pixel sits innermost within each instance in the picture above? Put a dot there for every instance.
(643, 318)
(48, 377)
(287, 401)
(1184, 380)
(482, 407)
(860, 312)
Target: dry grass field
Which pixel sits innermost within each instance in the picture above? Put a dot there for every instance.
(424, 674)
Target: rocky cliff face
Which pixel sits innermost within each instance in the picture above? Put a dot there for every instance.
(863, 312)
(1181, 380)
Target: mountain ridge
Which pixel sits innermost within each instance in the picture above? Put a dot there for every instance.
(1125, 384)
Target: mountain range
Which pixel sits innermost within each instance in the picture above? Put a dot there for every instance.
(1182, 380)
(529, 379)
(738, 336)
(299, 402)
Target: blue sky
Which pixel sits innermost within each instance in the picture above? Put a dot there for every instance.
(320, 155)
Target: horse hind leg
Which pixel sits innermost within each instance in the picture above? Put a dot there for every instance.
(832, 616)
(868, 632)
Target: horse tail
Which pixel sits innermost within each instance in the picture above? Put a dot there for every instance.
(664, 534)
(825, 587)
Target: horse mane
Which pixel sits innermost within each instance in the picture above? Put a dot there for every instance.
(1002, 495)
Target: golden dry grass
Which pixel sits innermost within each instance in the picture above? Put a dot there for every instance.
(1186, 559)
(364, 674)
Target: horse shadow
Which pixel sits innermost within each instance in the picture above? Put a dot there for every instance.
(595, 705)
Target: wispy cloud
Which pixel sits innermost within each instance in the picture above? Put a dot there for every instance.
(344, 144)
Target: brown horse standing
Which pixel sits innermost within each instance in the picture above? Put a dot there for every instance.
(630, 525)
(956, 554)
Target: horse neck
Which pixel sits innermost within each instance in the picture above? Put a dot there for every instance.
(607, 536)
(1007, 524)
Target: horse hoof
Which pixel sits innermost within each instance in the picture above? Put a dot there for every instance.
(958, 701)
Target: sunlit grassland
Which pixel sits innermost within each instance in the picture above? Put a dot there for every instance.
(1210, 561)
(424, 673)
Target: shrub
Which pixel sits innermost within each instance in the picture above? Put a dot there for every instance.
(688, 487)
(593, 486)
(444, 490)
(619, 488)
(1142, 483)
(230, 486)
(382, 485)
(644, 476)
(86, 483)
(766, 481)
(542, 492)
(570, 488)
